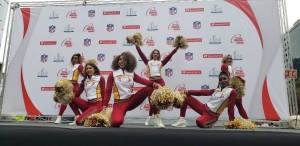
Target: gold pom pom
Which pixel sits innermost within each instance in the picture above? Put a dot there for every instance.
(178, 99)
(102, 119)
(63, 92)
(162, 98)
(180, 42)
(240, 123)
(91, 61)
(135, 39)
(239, 85)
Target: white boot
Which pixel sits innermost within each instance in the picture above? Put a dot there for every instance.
(180, 123)
(58, 120)
(157, 121)
(74, 122)
(148, 121)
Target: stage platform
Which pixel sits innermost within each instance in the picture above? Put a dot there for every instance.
(135, 133)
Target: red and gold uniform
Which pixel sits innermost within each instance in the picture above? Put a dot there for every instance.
(73, 74)
(94, 88)
(121, 82)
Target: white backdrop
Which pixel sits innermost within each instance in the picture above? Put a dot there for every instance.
(248, 30)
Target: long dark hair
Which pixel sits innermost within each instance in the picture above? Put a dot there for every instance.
(96, 71)
(79, 58)
(131, 62)
(223, 73)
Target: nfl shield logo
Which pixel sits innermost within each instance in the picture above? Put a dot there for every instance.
(170, 40)
(44, 58)
(197, 25)
(173, 11)
(188, 56)
(168, 72)
(110, 27)
(101, 57)
(87, 42)
(91, 13)
(205, 87)
(52, 28)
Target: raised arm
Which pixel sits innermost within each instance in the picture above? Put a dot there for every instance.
(165, 61)
(108, 90)
(232, 97)
(80, 69)
(206, 92)
(142, 55)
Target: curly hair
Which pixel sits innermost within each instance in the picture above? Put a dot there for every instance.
(129, 58)
(79, 58)
(96, 71)
(225, 58)
(151, 54)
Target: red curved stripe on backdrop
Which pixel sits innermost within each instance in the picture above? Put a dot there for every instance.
(26, 18)
(30, 108)
(246, 8)
(268, 107)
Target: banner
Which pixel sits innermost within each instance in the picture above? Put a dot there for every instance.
(45, 38)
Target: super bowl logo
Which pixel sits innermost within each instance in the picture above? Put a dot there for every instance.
(89, 28)
(180, 87)
(172, 11)
(196, 24)
(87, 42)
(44, 58)
(52, 28)
(214, 72)
(144, 73)
(54, 15)
(149, 41)
(42, 73)
(189, 56)
(237, 39)
(101, 57)
(238, 71)
(237, 56)
(174, 26)
(69, 29)
(216, 9)
(152, 27)
(168, 72)
(63, 73)
(72, 14)
(170, 40)
(110, 27)
(67, 42)
(215, 40)
(91, 13)
(131, 12)
(151, 12)
(58, 58)
(204, 86)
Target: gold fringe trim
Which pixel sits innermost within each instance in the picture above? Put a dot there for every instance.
(239, 85)
(180, 42)
(240, 123)
(135, 39)
(102, 119)
(65, 94)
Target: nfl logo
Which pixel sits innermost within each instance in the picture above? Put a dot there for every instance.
(205, 87)
(52, 28)
(188, 56)
(101, 57)
(168, 72)
(173, 11)
(197, 25)
(170, 40)
(110, 27)
(87, 42)
(44, 58)
(91, 13)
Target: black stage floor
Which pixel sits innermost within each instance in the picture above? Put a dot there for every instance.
(49, 134)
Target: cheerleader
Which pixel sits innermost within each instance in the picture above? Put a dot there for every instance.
(73, 74)
(121, 82)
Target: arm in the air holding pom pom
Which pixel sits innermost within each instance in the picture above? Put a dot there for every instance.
(165, 61)
(231, 103)
(80, 69)
(142, 55)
